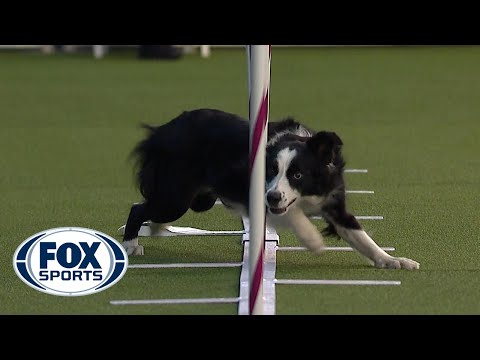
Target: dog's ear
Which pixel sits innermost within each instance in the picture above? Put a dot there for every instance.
(326, 145)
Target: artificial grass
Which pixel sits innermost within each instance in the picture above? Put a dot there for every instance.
(407, 114)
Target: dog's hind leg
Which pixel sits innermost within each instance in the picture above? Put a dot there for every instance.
(158, 213)
(135, 220)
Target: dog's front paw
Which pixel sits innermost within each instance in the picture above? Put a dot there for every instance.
(132, 247)
(318, 250)
(315, 247)
(409, 264)
(397, 263)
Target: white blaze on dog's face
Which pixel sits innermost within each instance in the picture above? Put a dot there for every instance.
(301, 171)
(279, 194)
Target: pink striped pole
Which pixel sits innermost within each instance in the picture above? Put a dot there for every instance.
(259, 57)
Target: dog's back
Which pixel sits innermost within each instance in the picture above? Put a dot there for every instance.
(206, 147)
(198, 147)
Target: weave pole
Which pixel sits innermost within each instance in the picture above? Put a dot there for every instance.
(259, 57)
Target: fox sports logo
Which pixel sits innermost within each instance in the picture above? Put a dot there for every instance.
(70, 261)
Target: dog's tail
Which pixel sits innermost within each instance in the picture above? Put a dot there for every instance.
(141, 148)
(145, 167)
(148, 127)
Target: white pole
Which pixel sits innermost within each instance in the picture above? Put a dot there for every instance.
(99, 51)
(205, 51)
(259, 57)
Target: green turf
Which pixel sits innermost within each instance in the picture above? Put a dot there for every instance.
(408, 114)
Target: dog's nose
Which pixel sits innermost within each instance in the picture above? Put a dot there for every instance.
(274, 197)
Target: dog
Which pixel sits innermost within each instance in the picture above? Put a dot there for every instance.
(203, 155)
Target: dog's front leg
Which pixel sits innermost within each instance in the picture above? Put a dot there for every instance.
(349, 229)
(303, 228)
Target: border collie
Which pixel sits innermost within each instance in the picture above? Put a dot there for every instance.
(203, 155)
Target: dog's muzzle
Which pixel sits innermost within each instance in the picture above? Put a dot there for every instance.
(279, 210)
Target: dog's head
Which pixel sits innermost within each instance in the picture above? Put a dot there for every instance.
(301, 166)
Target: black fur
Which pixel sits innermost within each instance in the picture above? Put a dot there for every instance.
(203, 154)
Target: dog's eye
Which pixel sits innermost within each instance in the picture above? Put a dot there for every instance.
(298, 175)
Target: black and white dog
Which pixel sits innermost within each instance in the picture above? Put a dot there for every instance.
(203, 155)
